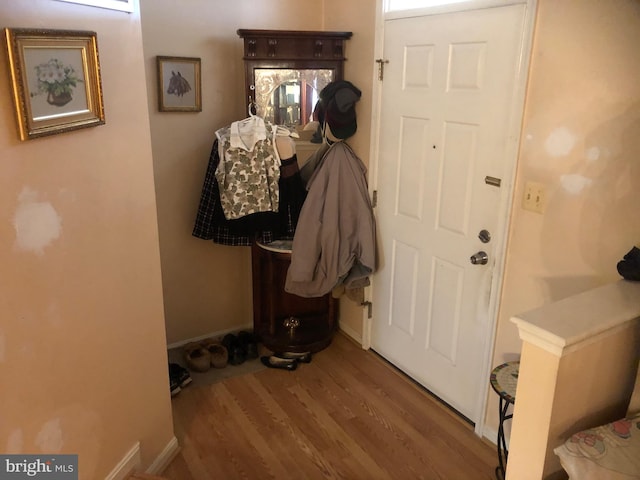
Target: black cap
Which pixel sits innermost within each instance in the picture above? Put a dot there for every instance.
(337, 108)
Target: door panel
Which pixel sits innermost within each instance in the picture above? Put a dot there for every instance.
(411, 167)
(455, 188)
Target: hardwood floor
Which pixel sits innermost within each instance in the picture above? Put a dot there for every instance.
(347, 414)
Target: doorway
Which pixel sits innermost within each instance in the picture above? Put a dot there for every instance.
(451, 101)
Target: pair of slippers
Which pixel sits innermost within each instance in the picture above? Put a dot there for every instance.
(286, 361)
(201, 356)
(629, 266)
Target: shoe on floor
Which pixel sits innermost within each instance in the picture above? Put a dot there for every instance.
(179, 374)
(217, 352)
(198, 359)
(249, 343)
(174, 387)
(277, 362)
(236, 351)
(304, 357)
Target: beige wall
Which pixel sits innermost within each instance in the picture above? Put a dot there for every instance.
(357, 16)
(207, 287)
(581, 140)
(82, 357)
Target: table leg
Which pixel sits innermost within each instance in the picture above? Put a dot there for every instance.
(503, 453)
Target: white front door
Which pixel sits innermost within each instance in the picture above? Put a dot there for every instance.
(447, 103)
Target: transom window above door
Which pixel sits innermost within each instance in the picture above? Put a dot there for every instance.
(397, 5)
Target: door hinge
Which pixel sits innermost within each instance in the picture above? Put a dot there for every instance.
(369, 306)
(374, 199)
(381, 62)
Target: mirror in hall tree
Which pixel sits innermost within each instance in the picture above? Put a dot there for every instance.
(285, 70)
(288, 96)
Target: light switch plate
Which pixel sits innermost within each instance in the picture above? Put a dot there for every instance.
(535, 197)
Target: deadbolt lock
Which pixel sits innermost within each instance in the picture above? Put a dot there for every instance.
(484, 236)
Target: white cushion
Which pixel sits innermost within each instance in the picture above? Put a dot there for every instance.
(607, 452)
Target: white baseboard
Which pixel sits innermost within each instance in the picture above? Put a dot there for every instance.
(129, 463)
(132, 462)
(163, 460)
(219, 333)
(351, 333)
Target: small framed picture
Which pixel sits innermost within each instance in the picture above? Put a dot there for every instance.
(123, 5)
(55, 77)
(179, 84)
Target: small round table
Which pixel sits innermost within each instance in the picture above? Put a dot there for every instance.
(504, 379)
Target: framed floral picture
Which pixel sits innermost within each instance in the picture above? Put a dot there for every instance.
(179, 84)
(55, 76)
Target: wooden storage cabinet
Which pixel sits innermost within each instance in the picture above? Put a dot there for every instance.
(273, 307)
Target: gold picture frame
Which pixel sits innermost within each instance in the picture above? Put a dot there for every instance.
(55, 76)
(179, 84)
